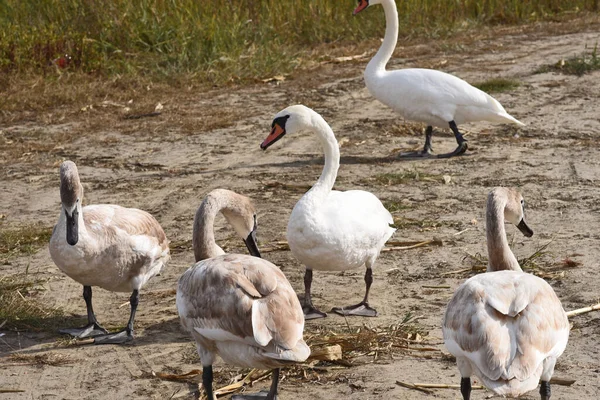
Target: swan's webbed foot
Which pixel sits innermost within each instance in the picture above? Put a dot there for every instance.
(253, 396)
(90, 330)
(311, 312)
(459, 151)
(361, 309)
(115, 338)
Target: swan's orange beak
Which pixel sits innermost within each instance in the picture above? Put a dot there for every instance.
(277, 133)
(362, 4)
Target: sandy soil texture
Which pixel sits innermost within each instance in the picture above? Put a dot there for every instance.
(206, 140)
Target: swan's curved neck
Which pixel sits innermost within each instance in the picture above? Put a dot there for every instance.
(203, 237)
(500, 257)
(331, 151)
(378, 62)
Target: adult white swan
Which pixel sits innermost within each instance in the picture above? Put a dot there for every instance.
(426, 95)
(331, 230)
(505, 326)
(105, 245)
(239, 307)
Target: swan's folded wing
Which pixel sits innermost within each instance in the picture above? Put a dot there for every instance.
(110, 221)
(213, 301)
(358, 215)
(506, 323)
(241, 298)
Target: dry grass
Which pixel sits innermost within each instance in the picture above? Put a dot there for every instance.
(21, 307)
(52, 359)
(24, 240)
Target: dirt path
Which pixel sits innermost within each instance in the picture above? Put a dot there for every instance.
(203, 141)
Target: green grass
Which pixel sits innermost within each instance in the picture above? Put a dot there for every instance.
(414, 175)
(396, 205)
(497, 85)
(220, 41)
(576, 65)
(24, 240)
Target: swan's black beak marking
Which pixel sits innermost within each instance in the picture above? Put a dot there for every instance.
(72, 227)
(525, 230)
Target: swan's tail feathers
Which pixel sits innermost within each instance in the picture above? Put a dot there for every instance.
(509, 118)
(500, 113)
(298, 354)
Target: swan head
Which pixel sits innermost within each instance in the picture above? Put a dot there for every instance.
(239, 211)
(362, 4)
(514, 210)
(71, 195)
(288, 120)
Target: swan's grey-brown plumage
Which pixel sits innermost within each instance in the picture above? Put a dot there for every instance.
(239, 307)
(112, 247)
(505, 326)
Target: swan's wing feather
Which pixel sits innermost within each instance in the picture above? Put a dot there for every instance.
(506, 323)
(240, 298)
(110, 223)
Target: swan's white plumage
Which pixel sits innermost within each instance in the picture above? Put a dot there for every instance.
(332, 230)
(505, 326)
(426, 95)
(343, 232)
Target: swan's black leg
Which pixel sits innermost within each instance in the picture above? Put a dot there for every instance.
(462, 143)
(465, 388)
(270, 395)
(545, 390)
(92, 328)
(427, 149)
(207, 381)
(361, 309)
(126, 335)
(310, 312)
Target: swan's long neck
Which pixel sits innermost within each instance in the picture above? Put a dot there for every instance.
(203, 237)
(331, 151)
(500, 257)
(378, 62)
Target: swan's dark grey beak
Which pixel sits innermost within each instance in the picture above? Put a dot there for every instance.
(525, 230)
(251, 243)
(72, 227)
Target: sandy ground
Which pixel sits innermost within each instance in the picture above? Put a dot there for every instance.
(166, 165)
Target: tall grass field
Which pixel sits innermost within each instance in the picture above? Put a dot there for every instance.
(223, 40)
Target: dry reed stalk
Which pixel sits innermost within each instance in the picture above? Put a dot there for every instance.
(443, 386)
(410, 386)
(583, 310)
(434, 241)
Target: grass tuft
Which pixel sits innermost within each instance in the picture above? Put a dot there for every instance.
(20, 308)
(577, 65)
(24, 240)
(393, 178)
(497, 85)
